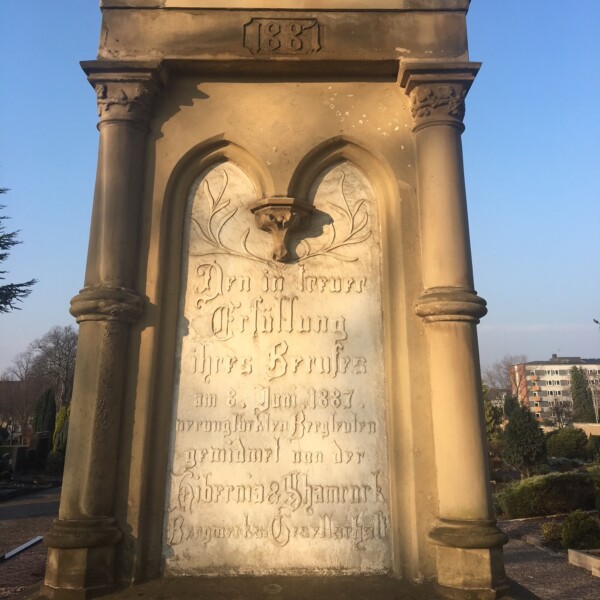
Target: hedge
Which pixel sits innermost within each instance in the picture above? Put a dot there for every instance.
(546, 495)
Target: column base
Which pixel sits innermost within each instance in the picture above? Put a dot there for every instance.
(470, 563)
(475, 574)
(81, 559)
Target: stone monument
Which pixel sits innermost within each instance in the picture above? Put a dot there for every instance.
(278, 369)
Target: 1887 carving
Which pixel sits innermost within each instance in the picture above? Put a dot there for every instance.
(282, 36)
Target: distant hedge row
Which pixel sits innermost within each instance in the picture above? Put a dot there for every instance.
(549, 495)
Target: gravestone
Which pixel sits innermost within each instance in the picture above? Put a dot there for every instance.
(277, 370)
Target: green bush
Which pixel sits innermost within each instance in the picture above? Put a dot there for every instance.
(551, 533)
(563, 464)
(580, 531)
(593, 446)
(541, 469)
(547, 495)
(568, 443)
(595, 475)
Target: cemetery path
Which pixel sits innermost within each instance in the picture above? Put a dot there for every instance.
(22, 519)
(548, 575)
(539, 575)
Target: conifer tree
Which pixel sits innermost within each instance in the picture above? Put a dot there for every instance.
(524, 441)
(10, 293)
(583, 404)
(44, 418)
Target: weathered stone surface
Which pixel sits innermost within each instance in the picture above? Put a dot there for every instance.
(277, 368)
(280, 444)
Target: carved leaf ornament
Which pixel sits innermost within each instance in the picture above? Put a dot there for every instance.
(426, 100)
(280, 217)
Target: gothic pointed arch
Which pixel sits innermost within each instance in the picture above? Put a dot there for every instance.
(335, 151)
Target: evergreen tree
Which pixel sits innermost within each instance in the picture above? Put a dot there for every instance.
(583, 404)
(510, 405)
(10, 293)
(45, 413)
(59, 438)
(492, 415)
(524, 441)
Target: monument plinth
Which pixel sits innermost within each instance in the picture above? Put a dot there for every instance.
(278, 369)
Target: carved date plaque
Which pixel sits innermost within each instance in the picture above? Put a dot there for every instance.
(282, 36)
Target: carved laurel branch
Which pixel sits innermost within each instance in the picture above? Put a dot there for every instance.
(354, 223)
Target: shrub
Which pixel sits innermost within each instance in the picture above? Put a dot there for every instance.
(540, 469)
(580, 531)
(595, 475)
(551, 533)
(562, 464)
(547, 495)
(593, 446)
(568, 443)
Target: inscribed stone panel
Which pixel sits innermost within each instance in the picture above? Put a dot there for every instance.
(279, 453)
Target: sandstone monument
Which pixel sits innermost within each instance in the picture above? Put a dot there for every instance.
(278, 367)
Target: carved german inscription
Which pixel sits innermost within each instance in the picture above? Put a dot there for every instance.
(282, 36)
(278, 459)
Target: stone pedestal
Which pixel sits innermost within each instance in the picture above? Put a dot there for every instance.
(277, 370)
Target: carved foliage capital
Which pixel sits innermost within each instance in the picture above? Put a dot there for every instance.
(124, 92)
(437, 90)
(123, 100)
(107, 303)
(438, 101)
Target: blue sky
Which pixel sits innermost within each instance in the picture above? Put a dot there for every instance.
(532, 164)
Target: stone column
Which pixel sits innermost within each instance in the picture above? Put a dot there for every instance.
(82, 541)
(469, 545)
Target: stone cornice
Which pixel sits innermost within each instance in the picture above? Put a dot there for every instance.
(125, 90)
(437, 90)
(450, 304)
(107, 303)
(294, 4)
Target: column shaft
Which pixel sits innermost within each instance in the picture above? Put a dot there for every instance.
(469, 545)
(82, 541)
(115, 219)
(443, 211)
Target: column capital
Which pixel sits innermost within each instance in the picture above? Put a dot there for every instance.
(125, 89)
(437, 90)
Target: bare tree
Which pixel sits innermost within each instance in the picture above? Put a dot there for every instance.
(21, 367)
(497, 375)
(17, 403)
(562, 413)
(54, 360)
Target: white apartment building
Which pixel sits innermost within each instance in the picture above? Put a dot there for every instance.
(542, 385)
